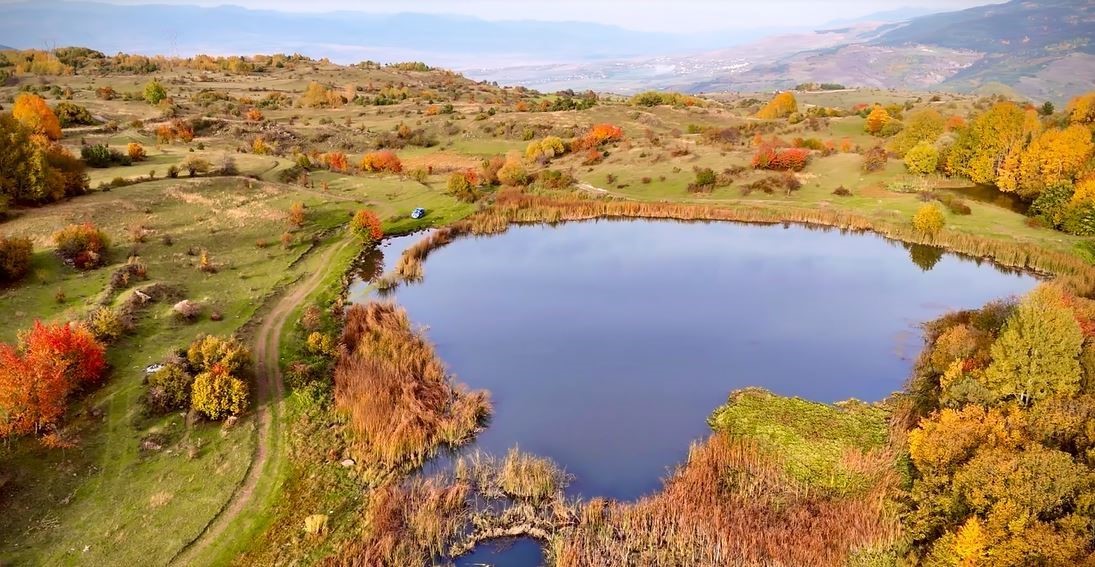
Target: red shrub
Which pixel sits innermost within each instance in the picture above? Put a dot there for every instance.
(789, 159)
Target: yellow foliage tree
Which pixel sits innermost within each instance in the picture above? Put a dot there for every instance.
(217, 394)
(982, 146)
(928, 219)
(1081, 110)
(1085, 190)
(1056, 156)
(781, 106)
(969, 543)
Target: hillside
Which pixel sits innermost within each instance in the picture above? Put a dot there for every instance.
(1042, 49)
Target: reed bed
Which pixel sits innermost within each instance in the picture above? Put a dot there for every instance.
(401, 402)
(406, 525)
(731, 504)
(513, 206)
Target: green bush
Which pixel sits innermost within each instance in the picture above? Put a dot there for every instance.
(71, 114)
(99, 155)
(1051, 204)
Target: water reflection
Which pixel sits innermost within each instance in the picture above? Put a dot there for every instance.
(924, 256)
(605, 345)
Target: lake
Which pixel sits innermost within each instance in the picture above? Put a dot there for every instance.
(605, 345)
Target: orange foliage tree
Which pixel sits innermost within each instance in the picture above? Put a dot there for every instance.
(35, 114)
(367, 225)
(383, 160)
(335, 161)
(876, 120)
(135, 151)
(39, 374)
(598, 135)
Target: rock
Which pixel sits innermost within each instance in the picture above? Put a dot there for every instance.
(348, 463)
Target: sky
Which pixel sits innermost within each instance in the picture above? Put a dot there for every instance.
(674, 16)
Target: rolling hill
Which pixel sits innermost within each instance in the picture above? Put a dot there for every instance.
(1040, 49)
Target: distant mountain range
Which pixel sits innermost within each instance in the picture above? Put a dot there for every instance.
(1041, 49)
(344, 37)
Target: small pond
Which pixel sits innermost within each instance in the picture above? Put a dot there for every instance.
(605, 345)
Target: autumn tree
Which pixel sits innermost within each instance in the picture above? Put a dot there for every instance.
(874, 159)
(209, 351)
(39, 374)
(982, 146)
(381, 161)
(876, 120)
(1036, 354)
(32, 111)
(598, 135)
(513, 172)
(462, 185)
(34, 171)
(154, 92)
(928, 219)
(195, 165)
(925, 125)
(545, 149)
(336, 161)
(15, 255)
(218, 394)
(135, 151)
(366, 225)
(781, 106)
(1055, 156)
(296, 214)
(1081, 110)
(1003, 477)
(71, 114)
(922, 159)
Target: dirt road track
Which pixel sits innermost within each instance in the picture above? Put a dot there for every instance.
(269, 393)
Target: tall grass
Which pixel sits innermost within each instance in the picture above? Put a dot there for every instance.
(406, 525)
(732, 504)
(401, 402)
(514, 206)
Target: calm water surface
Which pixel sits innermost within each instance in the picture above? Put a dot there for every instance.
(606, 345)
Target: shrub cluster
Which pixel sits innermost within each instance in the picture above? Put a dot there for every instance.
(82, 246)
(209, 378)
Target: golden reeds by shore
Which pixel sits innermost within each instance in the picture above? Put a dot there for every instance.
(518, 207)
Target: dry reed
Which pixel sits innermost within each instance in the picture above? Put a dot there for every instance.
(401, 401)
(732, 505)
(513, 206)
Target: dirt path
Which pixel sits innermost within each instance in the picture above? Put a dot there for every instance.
(269, 393)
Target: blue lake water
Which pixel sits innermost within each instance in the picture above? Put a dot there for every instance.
(605, 345)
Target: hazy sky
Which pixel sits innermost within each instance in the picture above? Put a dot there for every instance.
(648, 15)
